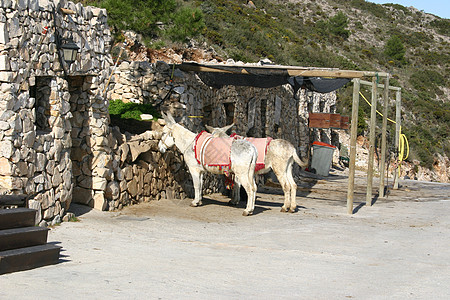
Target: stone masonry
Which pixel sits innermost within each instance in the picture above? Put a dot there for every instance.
(56, 142)
(50, 111)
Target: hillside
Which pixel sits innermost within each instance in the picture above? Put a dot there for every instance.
(347, 34)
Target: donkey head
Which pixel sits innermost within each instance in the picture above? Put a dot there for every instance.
(167, 139)
(219, 131)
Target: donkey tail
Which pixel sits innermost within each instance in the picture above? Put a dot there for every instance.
(302, 163)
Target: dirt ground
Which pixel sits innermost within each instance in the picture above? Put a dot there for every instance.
(396, 249)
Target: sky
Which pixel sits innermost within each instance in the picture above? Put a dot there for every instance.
(440, 8)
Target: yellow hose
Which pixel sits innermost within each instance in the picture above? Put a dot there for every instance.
(402, 143)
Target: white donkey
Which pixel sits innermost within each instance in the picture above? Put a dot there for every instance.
(280, 156)
(242, 161)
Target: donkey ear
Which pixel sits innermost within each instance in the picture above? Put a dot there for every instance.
(168, 118)
(226, 128)
(209, 128)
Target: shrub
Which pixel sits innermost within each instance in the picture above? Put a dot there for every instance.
(131, 110)
(187, 23)
(338, 25)
(138, 15)
(394, 49)
(442, 26)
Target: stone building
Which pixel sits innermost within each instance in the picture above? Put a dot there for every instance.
(56, 142)
(54, 120)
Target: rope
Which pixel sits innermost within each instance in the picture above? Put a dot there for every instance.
(402, 143)
(122, 48)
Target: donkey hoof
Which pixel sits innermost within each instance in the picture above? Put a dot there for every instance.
(231, 203)
(247, 213)
(293, 210)
(195, 204)
(284, 209)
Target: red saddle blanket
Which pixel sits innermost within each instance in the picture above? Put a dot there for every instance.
(215, 151)
(261, 145)
(212, 151)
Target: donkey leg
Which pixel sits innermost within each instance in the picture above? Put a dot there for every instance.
(285, 185)
(197, 178)
(293, 190)
(235, 193)
(251, 195)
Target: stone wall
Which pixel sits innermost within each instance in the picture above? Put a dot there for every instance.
(56, 142)
(40, 98)
(255, 111)
(143, 174)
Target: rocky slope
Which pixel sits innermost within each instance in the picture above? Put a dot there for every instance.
(440, 171)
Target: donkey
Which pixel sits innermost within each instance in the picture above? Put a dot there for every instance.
(242, 160)
(280, 156)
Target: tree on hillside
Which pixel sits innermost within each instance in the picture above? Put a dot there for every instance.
(395, 50)
(138, 15)
(338, 25)
(187, 22)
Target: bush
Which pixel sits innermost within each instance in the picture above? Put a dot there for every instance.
(395, 50)
(427, 81)
(138, 15)
(131, 110)
(338, 25)
(187, 23)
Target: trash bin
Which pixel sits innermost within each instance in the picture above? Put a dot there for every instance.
(322, 158)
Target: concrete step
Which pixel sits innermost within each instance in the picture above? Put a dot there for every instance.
(16, 217)
(22, 237)
(28, 258)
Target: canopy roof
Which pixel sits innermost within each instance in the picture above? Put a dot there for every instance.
(266, 76)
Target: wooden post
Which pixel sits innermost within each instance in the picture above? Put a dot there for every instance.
(354, 131)
(383, 136)
(398, 123)
(373, 119)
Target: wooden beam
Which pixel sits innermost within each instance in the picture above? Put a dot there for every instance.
(372, 132)
(292, 70)
(383, 136)
(398, 120)
(393, 88)
(353, 130)
(326, 73)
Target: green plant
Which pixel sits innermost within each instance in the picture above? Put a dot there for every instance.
(141, 16)
(338, 25)
(131, 110)
(187, 22)
(395, 50)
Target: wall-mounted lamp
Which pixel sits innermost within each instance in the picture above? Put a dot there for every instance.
(70, 50)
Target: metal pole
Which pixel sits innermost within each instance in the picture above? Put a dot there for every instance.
(354, 131)
(383, 136)
(373, 119)
(398, 106)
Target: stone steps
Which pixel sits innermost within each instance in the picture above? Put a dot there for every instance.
(22, 237)
(28, 258)
(22, 245)
(13, 200)
(17, 217)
